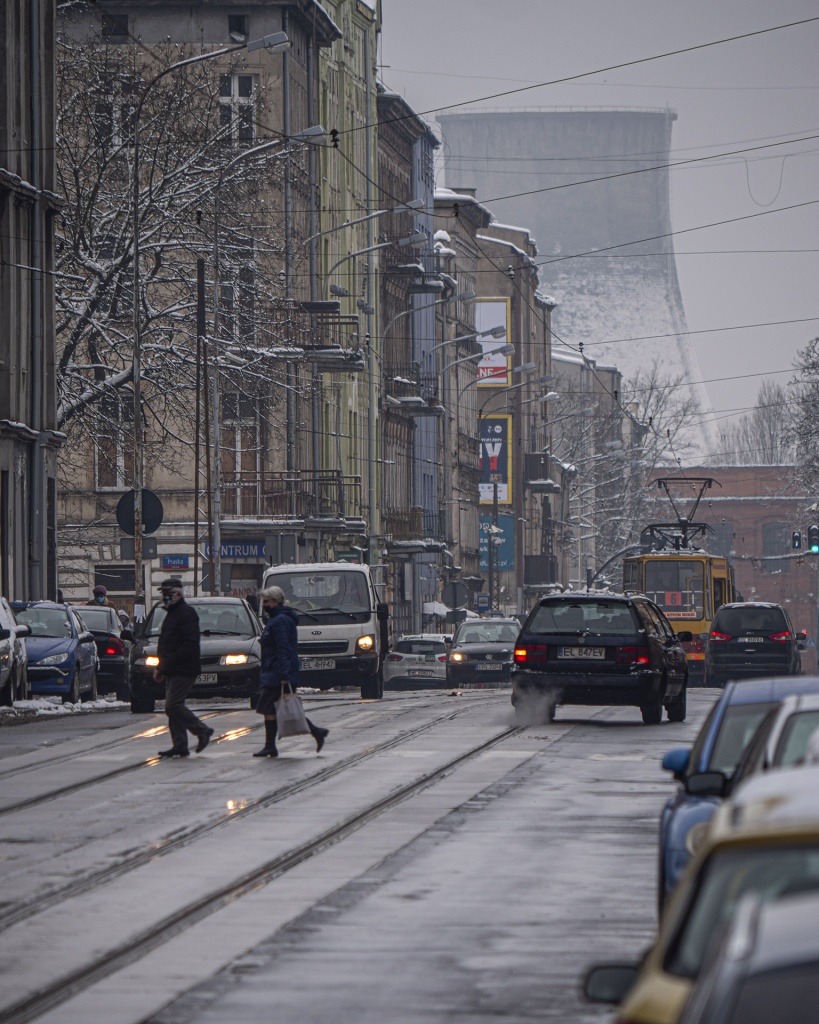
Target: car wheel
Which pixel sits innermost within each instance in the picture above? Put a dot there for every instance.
(91, 694)
(73, 695)
(652, 713)
(676, 708)
(7, 693)
(22, 684)
(372, 688)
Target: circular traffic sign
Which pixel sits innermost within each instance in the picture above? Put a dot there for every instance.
(152, 512)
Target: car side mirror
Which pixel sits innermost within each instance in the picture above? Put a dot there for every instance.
(382, 611)
(706, 784)
(685, 636)
(24, 630)
(609, 983)
(87, 637)
(127, 634)
(800, 645)
(676, 760)
(5, 634)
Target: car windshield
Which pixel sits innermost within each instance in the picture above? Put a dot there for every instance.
(767, 872)
(420, 647)
(314, 595)
(487, 633)
(96, 618)
(613, 618)
(215, 619)
(736, 621)
(793, 743)
(739, 724)
(677, 586)
(49, 622)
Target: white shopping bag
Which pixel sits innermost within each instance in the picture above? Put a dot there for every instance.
(290, 717)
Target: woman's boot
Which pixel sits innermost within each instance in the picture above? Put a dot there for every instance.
(269, 748)
(318, 734)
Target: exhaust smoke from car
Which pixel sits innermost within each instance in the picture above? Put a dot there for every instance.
(533, 708)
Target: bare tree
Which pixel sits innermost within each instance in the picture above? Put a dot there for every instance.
(803, 432)
(764, 436)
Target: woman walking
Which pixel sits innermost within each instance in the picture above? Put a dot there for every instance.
(280, 666)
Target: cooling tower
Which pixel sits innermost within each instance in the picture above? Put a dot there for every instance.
(605, 251)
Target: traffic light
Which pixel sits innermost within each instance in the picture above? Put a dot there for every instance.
(796, 540)
(813, 538)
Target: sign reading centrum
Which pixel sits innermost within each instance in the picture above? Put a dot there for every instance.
(239, 549)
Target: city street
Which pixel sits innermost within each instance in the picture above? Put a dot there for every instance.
(434, 863)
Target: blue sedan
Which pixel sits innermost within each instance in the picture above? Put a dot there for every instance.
(720, 744)
(62, 654)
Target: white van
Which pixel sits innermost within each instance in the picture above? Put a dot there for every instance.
(342, 624)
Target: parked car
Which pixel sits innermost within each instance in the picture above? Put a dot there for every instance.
(781, 741)
(13, 657)
(601, 649)
(749, 640)
(763, 844)
(231, 656)
(767, 967)
(114, 643)
(482, 651)
(417, 661)
(720, 745)
(62, 655)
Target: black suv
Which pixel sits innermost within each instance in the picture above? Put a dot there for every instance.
(599, 649)
(750, 640)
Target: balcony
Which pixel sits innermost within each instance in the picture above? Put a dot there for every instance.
(402, 523)
(303, 496)
(407, 381)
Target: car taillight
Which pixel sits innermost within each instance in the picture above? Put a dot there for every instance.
(113, 645)
(441, 657)
(632, 656)
(531, 654)
(781, 637)
(393, 657)
(719, 636)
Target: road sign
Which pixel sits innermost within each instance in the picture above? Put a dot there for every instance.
(482, 602)
(152, 512)
(455, 594)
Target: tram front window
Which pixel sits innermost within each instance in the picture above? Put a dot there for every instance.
(678, 587)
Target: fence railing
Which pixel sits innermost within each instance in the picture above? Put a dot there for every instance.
(283, 495)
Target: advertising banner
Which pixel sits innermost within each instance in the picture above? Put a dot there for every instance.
(496, 459)
(506, 547)
(494, 370)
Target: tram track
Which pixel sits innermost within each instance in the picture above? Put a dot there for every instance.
(51, 995)
(86, 883)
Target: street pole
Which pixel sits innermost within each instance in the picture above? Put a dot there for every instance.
(201, 328)
(372, 453)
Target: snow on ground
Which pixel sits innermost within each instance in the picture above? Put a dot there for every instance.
(50, 706)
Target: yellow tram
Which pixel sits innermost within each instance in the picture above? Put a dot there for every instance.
(689, 584)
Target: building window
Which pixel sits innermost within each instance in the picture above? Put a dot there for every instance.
(721, 541)
(115, 28)
(237, 27)
(237, 113)
(775, 541)
(239, 438)
(114, 114)
(238, 294)
(113, 444)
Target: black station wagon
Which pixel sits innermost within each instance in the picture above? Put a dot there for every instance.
(600, 649)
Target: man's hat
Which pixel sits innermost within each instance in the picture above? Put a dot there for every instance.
(100, 589)
(173, 583)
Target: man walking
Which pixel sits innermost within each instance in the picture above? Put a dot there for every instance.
(179, 665)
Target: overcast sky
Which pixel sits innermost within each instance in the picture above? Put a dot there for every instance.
(744, 93)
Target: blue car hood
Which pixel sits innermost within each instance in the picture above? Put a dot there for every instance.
(44, 646)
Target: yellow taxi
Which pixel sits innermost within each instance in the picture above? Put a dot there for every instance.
(763, 842)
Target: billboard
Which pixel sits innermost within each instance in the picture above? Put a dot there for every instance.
(494, 370)
(496, 459)
(506, 546)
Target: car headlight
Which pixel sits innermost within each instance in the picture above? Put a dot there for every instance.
(457, 656)
(151, 661)
(695, 837)
(233, 659)
(54, 659)
(365, 643)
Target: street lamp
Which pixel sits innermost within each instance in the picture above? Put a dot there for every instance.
(276, 43)
(415, 238)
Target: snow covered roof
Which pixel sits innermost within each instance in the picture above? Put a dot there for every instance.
(510, 245)
(443, 195)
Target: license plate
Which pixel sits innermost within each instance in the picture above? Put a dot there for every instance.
(586, 653)
(752, 640)
(207, 677)
(421, 672)
(315, 664)
(489, 668)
